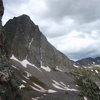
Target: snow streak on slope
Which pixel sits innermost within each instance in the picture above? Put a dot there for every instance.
(41, 89)
(85, 98)
(58, 69)
(47, 69)
(62, 86)
(21, 86)
(25, 62)
(30, 43)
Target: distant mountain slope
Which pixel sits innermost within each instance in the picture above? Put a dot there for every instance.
(88, 62)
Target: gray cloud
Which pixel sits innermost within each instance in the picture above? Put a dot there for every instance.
(80, 10)
(81, 54)
(14, 2)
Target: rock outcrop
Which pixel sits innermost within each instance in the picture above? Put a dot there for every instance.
(1, 9)
(8, 84)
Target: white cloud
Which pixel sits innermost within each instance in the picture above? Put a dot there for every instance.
(34, 8)
(72, 42)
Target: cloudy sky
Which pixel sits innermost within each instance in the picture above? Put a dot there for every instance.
(72, 26)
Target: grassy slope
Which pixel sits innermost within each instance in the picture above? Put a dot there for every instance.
(88, 80)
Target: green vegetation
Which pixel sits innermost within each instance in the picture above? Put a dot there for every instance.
(86, 79)
(26, 89)
(88, 88)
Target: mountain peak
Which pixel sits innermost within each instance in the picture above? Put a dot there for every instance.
(23, 16)
(25, 41)
(88, 61)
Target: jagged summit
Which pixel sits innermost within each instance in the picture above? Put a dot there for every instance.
(25, 41)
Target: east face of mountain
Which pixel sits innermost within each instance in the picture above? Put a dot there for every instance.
(25, 41)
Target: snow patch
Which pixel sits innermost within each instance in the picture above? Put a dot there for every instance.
(77, 86)
(21, 86)
(56, 82)
(85, 98)
(38, 86)
(93, 66)
(36, 98)
(41, 89)
(28, 74)
(30, 43)
(47, 69)
(24, 81)
(76, 66)
(62, 87)
(96, 71)
(63, 84)
(14, 67)
(26, 77)
(93, 63)
(14, 58)
(25, 62)
(58, 69)
(41, 57)
(51, 91)
(97, 65)
(91, 70)
(35, 88)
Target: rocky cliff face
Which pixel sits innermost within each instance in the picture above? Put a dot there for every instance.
(25, 41)
(8, 83)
